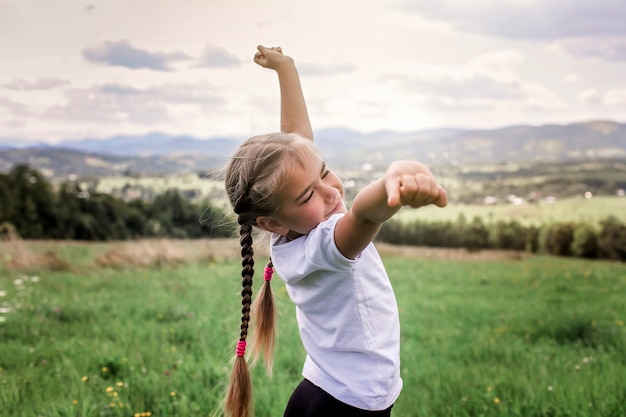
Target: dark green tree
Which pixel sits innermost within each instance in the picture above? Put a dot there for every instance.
(556, 239)
(585, 241)
(7, 200)
(509, 235)
(612, 239)
(68, 211)
(33, 202)
(476, 235)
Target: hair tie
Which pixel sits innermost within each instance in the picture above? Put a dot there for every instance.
(267, 274)
(241, 348)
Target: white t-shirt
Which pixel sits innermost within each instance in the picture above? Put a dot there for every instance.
(347, 315)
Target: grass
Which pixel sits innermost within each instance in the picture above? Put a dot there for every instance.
(574, 209)
(529, 337)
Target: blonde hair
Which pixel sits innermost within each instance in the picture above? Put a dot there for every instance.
(253, 179)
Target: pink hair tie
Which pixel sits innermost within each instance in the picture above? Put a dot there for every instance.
(267, 275)
(241, 348)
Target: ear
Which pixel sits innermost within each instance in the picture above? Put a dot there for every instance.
(271, 225)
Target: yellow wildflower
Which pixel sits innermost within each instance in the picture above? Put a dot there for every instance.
(85, 378)
(496, 400)
(173, 393)
(109, 389)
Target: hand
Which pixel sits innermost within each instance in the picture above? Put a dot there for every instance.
(412, 184)
(270, 57)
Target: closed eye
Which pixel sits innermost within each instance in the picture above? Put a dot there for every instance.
(324, 175)
(308, 198)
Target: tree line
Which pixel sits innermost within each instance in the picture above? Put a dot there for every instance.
(606, 241)
(34, 209)
(31, 207)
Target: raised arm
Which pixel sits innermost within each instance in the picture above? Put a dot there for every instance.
(405, 183)
(294, 117)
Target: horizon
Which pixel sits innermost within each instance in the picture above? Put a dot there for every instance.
(25, 144)
(102, 69)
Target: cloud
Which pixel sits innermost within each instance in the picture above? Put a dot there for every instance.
(199, 94)
(310, 69)
(486, 81)
(613, 98)
(609, 49)
(491, 75)
(96, 106)
(116, 103)
(44, 83)
(13, 107)
(216, 57)
(530, 19)
(123, 54)
(122, 103)
(14, 124)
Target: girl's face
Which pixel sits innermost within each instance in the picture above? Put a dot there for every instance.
(310, 195)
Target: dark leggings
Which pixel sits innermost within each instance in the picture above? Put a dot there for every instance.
(309, 400)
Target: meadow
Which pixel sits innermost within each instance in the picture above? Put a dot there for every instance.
(149, 329)
(574, 208)
(571, 209)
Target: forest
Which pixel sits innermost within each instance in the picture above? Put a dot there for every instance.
(32, 208)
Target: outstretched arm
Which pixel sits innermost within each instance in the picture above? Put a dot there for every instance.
(294, 117)
(405, 183)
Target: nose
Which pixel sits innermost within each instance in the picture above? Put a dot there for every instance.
(330, 194)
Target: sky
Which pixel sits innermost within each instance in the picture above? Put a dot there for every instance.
(73, 69)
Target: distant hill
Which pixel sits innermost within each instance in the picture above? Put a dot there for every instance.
(580, 141)
(154, 144)
(60, 163)
(161, 153)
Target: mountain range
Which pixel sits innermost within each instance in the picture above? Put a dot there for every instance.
(155, 153)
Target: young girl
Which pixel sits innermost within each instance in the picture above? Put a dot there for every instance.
(345, 306)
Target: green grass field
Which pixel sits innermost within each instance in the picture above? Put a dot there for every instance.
(531, 337)
(573, 209)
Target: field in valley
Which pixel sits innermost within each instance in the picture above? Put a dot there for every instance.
(149, 328)
(543, 211)
(572, 209)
